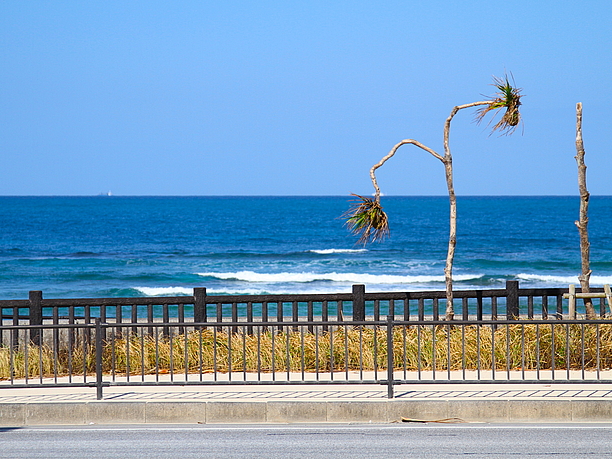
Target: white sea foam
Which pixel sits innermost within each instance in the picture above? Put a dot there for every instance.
(311, 283)
(164, 291)
(331, 251)
(255, 289)
(307, 289)
(601, 280)
(275, 291)
(550, 279)
(251, 276)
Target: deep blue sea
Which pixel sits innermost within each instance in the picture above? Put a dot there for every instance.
(113, 246)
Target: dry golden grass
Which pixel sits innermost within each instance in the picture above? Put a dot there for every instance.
(504, 347)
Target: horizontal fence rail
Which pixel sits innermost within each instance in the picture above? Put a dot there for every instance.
(389, 352)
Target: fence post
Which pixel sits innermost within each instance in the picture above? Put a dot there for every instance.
(359, 302)
(389, 356)
(608, 296)
(35, 315)
(98, 359)
(199, 304)
(572, 302)
(512, 300)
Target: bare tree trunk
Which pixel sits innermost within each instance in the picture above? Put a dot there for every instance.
(452, 237)
(583, 222)
(390, 155)
(447, 160)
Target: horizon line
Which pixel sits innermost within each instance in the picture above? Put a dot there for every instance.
(292, 196)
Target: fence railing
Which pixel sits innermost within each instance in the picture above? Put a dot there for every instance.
(492, 304)
(389, 352)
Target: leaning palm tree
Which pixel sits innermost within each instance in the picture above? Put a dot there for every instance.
(367, 219)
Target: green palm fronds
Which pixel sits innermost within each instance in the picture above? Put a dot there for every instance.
(508, 97)
(366, 219)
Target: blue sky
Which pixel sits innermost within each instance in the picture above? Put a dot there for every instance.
(297, 98)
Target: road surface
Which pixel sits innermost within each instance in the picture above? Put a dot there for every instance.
(310, 441)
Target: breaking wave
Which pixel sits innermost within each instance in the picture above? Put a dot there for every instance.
(331, 251)
(359, 278)
(164, 291)
(550, 279)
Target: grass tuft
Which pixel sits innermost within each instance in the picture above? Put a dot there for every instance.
(426, 347)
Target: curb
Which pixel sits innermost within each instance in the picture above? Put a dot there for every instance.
(229, 412)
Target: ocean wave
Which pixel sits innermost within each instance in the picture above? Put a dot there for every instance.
(164, 291)
(331, 251)
(222, 290)
(286, 290)
(249, 290)
(550, 279)
(307, 289)
(304, 277)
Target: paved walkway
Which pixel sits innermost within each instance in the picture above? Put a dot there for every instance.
(319, 393)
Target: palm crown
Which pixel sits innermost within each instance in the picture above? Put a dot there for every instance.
(508, 97)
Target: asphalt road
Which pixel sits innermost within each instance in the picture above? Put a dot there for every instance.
(310, 441)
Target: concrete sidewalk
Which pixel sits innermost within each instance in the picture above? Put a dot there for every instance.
(307, 404)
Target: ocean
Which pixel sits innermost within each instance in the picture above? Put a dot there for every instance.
(114, 246)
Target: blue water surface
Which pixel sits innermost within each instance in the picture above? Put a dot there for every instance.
(105, 246)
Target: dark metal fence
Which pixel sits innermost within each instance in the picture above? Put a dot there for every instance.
(492, 304)
(390, 352)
